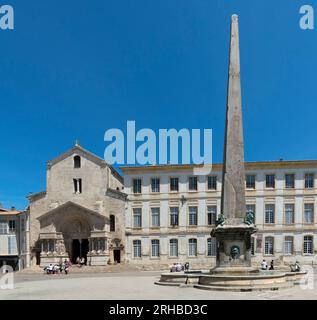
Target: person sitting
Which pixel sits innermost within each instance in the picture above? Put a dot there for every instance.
(178, 266)
(295, 267)
(263, 265)
(82, 261)
(49, 269)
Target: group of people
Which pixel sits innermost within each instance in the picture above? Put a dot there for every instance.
(294, 267)
(264, 265)
(177, 266)
(59, 268)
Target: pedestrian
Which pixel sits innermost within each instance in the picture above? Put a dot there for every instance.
(272, 265)
(264, 265)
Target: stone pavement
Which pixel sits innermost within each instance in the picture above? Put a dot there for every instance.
(133, 285)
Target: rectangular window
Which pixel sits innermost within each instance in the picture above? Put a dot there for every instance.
(193, 216)
(192, 247)
(250, 181)
(308, 245)
(155, 185)
(112, 223)
(308, 213)
(174, 216)
(250, 209)
(269, 213)
(173, 248)
(22, 225)
(289, 213)
(137, 185)
(4, 227)
(212, 183)
(270, 181)
(155, 217)
(137, 218)
(309, 180)
(211, 247)
(155, 244)
(174, 184)
(51, 245)
(11, 226)
(290, 181)
(12, 245)
(136, 248)
(288, 245)
(192, 183)
(269, 245)
(212, 215)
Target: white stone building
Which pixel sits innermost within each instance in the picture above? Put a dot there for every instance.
(14, 238)
(170, 212)
(81, 212)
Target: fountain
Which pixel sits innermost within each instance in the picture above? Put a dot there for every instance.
(233, 270)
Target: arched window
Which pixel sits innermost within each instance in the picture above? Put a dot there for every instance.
(112, 223)
(77, 162)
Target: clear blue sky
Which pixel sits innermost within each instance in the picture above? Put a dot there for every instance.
(73, 69)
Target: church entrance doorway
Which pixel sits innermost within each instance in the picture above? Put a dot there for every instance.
(117, 255)
(80, 249)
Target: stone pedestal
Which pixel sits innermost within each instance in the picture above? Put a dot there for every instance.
(233, 248)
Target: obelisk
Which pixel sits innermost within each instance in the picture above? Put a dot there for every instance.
(234, 229)
(233, 186)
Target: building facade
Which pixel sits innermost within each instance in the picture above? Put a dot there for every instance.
(170, 212)
(81, 212)
(14, 238)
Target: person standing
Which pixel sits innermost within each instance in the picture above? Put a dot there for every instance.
(264, 265)
(272, 265)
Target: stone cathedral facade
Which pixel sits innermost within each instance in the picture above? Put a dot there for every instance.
(81, 212)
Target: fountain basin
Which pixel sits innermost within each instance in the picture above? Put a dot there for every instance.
(235, 281)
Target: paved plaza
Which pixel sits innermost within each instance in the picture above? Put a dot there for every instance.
(135, 285)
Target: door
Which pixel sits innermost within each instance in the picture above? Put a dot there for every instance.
(117, 256)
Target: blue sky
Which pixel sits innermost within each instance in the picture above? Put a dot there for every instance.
(73, 69)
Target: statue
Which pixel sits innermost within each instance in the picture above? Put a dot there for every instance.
(221, 220)
(249, 219)
(235, 252)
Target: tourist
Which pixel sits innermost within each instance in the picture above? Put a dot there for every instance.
(78, 261)
(264, 265)
(297, 266)
(66, 266)
(186, 266)
(82, 261)
(272, 265)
